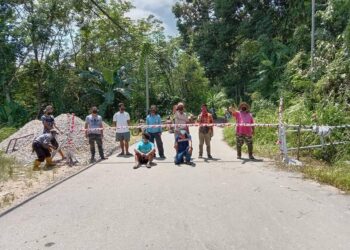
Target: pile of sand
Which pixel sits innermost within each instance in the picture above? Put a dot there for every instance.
(23, 148)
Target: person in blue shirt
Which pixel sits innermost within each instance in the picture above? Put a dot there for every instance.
(183, 147)
(156, 133)
(144, 152)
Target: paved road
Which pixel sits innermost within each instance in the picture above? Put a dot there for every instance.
(219, 204)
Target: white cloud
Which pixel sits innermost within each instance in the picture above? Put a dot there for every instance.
(161, 9)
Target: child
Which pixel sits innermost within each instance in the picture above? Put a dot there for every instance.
(144, 152)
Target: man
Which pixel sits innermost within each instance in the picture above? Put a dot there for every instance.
(121, 120)
(42, 145)
(244, 134)
(49, 123)
(180, 118)
(205, 132)
(155, 133)
(94, 132)
(183, 147)
(144, 152)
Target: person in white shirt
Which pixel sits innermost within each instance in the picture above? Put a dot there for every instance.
(181, 118)
(121, 120)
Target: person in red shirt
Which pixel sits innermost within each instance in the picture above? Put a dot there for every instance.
(244, 134)
(205, 132)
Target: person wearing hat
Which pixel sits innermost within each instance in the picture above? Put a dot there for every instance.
(48, 121)
(183, 147)
(42, 145)
(94, 132)
(205, 132)
(181, 118)
(244, 134)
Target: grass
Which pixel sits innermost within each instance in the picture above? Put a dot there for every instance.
(336, 173)
(7, 167)
(6, 132)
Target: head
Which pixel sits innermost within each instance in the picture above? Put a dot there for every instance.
(204, 108)
(153, 109)
(243, 106)
(145, 137)
(180, 107)
(48, 110)
(121, 107)
(183, 132)
(94, 111)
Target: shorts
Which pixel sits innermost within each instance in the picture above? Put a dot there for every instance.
(122, 136)
(143, 160)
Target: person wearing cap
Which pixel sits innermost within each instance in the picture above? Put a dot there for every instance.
(144, 152)
(48, 121)
(121, 120)
(205, 132)
(42, 146)
(180, 118)
(183, 147)
(155, 133)
(244, 134)
(94, 132)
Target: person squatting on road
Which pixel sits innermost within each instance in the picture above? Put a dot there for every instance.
(144, 152)
(49, 123)
(42, 145)
(205, 132)
(244, 134)
(183, 147)
(121, 120)
(94, 132)
(155, 133)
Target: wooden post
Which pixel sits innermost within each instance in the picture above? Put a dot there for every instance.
(299, 139)
(282, 133)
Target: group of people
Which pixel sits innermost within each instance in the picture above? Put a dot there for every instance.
(145, 150)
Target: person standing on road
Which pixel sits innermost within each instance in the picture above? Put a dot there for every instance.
(183, 147)
(155, 133)
(121, 120)
(49, 123)
(144, 152)
(244, 134)
(205, 132)
(181, 118)
(94, 132)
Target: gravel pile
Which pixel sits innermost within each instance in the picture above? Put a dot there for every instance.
(23, 149)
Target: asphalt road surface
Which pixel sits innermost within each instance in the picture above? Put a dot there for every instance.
(223, 203)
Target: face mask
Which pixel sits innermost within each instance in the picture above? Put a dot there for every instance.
(94, 112)
(183, 132)
(244, 109)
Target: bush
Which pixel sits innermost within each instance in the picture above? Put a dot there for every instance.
(6, 132)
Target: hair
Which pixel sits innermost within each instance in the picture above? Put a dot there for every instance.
(93, 108)
(146, 135)
(204, 105)
(154, 106)
(120, 104)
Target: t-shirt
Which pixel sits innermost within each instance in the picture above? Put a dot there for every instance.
(122, 121)
(46, 139)
(181, 119)
(183, 143)
(205, 119)
(154, 120)
(145, 147)
(243, 117)
(93, 123)
(49, 120)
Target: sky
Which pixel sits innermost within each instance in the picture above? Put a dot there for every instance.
(161, 9)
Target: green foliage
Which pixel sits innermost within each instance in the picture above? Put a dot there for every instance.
(6, 132)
